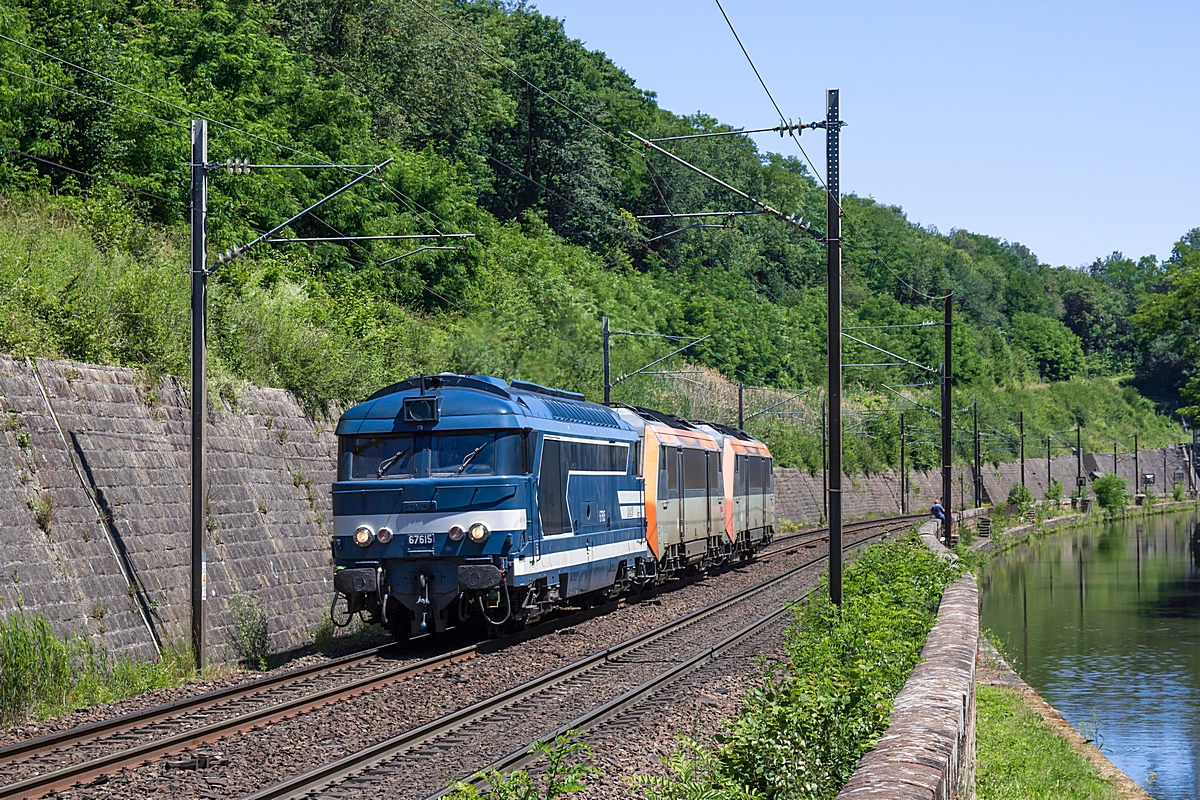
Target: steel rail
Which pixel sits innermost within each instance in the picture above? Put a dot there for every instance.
(617, 706)
(176, 708)
(62, 779)
(363, 760)
(819, 534)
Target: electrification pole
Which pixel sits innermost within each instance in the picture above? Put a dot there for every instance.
(1048, 462)
(1021, 422)
(1079, 460)
(824, 467)
(199, 273)
(947, 454)
(903, 474)
(975, 418)
(607, 374)
(1137, 467)
(1195, 440)
(1114, 458)
(833, 324)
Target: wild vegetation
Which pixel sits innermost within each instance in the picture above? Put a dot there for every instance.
(43, 675)
(503, 127)
(801, 734)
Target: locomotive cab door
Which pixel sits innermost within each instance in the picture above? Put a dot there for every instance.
(670, 511)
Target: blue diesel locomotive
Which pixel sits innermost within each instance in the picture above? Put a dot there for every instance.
(468, 498)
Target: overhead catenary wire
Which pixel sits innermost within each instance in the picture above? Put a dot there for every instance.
(94, 99)
(93, 176)
(816, 173)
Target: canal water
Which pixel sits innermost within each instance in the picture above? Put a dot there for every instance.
(1104, 622)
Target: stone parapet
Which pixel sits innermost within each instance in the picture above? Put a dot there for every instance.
(928, 749)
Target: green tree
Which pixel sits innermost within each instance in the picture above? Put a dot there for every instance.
(1110, 492)
(1169, 323)
(1053, 347)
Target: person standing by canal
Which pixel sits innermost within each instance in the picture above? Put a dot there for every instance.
(939, 513)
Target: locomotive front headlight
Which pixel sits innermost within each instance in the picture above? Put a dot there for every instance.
(384, 536)
(456, 533)
(363, 536)
(478, 533)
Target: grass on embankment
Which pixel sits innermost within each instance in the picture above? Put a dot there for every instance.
(1020, 757)
(43, 676)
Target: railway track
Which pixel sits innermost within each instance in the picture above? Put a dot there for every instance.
(173, 727)
(459, 737)
(36, 767)
(792, 542)
(642, 698)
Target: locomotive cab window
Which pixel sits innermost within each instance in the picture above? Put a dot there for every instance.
(441, 455)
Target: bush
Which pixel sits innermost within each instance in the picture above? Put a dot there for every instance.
(1178, 492)
(1054, 490)
(802, 734)
(1020, 496)
(249, 637)
(1110, 492)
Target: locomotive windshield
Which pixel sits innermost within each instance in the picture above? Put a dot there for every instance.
(393, 456)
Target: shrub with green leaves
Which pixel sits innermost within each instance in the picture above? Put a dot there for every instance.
(1110, 492)
(803, 732)
(43, 675)
(1054, 490)
(1020, 496)
(249, 636)
(564, 773)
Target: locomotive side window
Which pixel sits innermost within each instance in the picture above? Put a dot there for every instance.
(694, 470)
(770, 475)
(552, 489)
(756, 475)
(672, 470)
(714, 467)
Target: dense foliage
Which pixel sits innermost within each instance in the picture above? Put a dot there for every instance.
(1110, 491)
(501, 126)
(801, 735)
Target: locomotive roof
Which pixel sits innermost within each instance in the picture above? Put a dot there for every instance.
(481, 402)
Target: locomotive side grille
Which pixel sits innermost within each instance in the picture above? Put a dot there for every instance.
(566, 412)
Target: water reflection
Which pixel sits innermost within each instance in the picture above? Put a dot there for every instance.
(1105, 623)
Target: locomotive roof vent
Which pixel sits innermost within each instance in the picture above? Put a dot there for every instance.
(588, 415)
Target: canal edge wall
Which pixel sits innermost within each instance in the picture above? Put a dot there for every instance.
(928, 749)
(1019, 534)
(994, 670)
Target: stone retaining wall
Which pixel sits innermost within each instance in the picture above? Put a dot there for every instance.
(928, 750)
(798, 494)
(105, 455)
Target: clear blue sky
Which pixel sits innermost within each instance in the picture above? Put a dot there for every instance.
(1071, 127)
